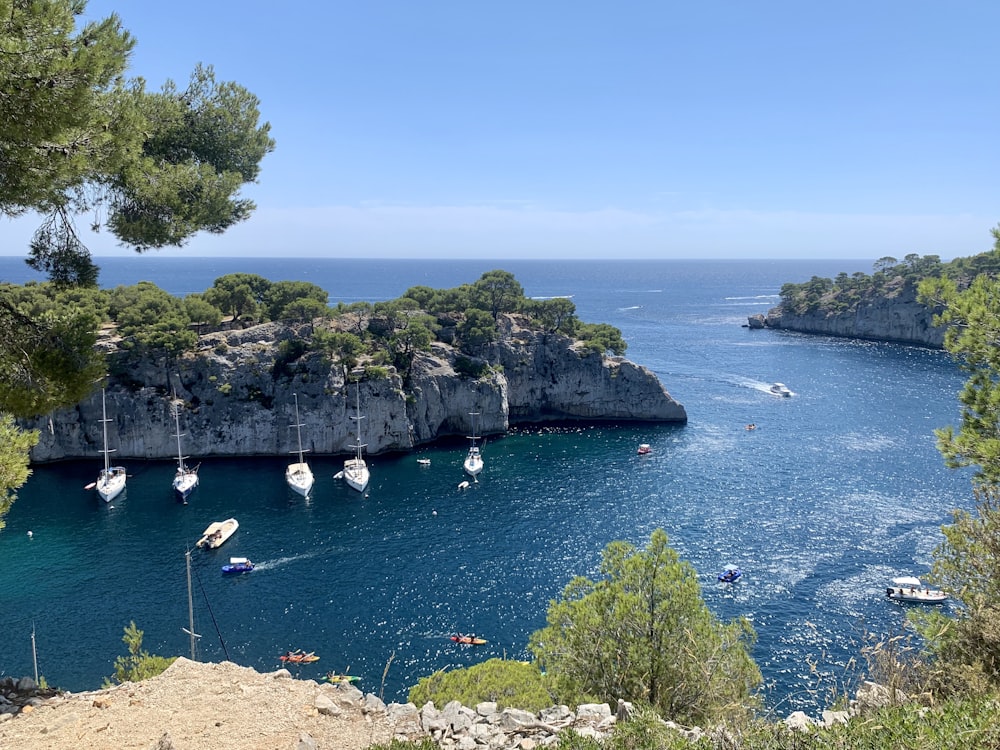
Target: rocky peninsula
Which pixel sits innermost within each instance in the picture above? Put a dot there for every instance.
(238, 391)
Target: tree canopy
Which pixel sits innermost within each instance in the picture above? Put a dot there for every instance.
(79, 137)
(644, 633)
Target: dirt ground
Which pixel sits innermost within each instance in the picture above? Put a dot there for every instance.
(194, 706)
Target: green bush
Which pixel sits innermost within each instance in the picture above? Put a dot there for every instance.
(138, 665)
(514, 684)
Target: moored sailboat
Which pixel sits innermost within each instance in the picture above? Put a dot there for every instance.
(186, 478)
(111, 479)
(473, 463)
(298, 475)
(356, 472)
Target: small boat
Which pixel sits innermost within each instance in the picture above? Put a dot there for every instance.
(237, 565)
(356, 472)
(298, 656)
(186, 478)
(473, 463)
(340, 679)
(730, 574)
(424, 461)
(217, 533)
(111, 479)
(644, 449)
(469, 640)
(911, 589)
(751, 427)
(780, 389)
(298, 475)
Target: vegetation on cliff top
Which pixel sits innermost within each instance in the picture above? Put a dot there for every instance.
(890, 277)
(54, 362)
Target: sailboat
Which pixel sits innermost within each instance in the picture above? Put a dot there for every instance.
(186, 478)
(355, 469)
(298, 475)
(473, 463)
(111, 480)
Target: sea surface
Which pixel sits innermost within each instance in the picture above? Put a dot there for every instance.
(838, 489)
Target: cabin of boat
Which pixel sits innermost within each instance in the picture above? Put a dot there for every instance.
(644, 448)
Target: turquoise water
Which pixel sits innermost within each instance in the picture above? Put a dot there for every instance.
(838, 489)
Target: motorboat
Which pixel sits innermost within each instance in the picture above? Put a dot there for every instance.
(730, 574)
(298, 475)
(356, 472)
(780, 389)
(644, 449)
(111, 479)
(912, 589)
(186, 478)
(424, 461)
(217, 533)
(237, 565)
(473, 463)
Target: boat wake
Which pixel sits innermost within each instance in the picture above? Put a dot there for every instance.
(282, 561)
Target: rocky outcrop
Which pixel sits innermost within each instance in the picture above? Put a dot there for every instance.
(899, 318)
(238, 393)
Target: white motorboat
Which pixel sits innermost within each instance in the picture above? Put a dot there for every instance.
(217, 533)
(186, 478)
(356, 472)
(298, 475)
(473, 463)
(111, 479)
(780, 389)
(912, 589)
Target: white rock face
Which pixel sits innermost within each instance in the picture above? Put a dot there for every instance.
(237, 402)
(898, 318)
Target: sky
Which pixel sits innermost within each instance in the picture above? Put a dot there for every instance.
(584, 129)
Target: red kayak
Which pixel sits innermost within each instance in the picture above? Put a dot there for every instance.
(470, 640)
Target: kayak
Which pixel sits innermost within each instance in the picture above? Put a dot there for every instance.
(470, 640)
(340, 679)
(298, 657)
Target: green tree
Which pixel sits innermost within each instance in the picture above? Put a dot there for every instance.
(972, 336)
(602, 338)
(14, 472)
(476, 329)
(498, 292)
(139, 664)
(78, 137)
(279, 295)
(554, 315)
(151, 320)
(202, 312)
(644, 633)
(239, 294)
(514, 684)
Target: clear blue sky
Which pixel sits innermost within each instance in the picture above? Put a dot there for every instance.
(656, 129)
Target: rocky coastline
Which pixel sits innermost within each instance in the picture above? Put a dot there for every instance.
(238, 397)
(898, 318)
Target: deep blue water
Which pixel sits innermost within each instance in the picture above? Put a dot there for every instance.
(838, 489)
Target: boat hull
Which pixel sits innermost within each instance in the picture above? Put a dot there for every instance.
(300, 478)
(356, 474)
(218, 533)
(111, 483)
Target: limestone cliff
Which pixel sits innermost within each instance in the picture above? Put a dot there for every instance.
(897, 317)
(238, 398)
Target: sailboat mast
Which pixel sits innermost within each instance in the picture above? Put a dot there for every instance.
(104, 424)
(177, 426)
(298, 426)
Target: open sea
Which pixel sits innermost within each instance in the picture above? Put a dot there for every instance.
(838, 489)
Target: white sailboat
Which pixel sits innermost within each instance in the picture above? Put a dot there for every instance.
(298, 475)
(473, 463)
(355, 469)
(186, 478)
(111, 480)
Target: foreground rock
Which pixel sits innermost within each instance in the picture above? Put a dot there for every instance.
(194, 706)
(238, 395)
